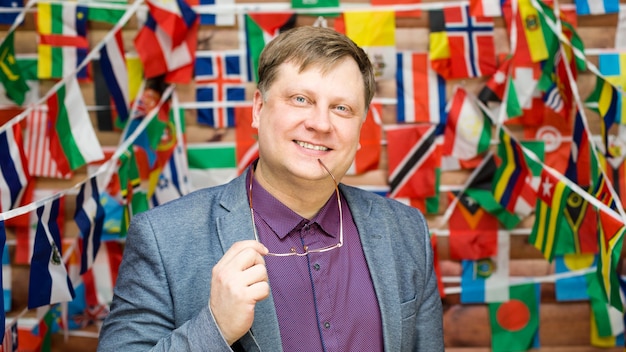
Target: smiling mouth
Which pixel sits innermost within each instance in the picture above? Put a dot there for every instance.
(312, 146)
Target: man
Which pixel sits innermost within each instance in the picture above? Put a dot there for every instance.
(280, 258)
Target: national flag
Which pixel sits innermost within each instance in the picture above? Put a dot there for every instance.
(260, 29)
(115, 72)
(10, 75)
(6, 272)
(604, 101)
(220, 81)
(473, 231)
(400, 13)
(412, 159)
(211, 164)
(37, 146)
(579, 162)
(494, 88)
(62, 43)
(103, 11)
(533, 31)
(421, 92)
(218, 18)
(175, 178)
(9, 17)
(468, 127)
(610, 66)
(486, 8)
(480, 190)
(610, 239)
(551, 202)
(515, 323)
(89, 217)
(596, 7)
(572, 288)
(607, 322)
(578, 234)
(311, 4)
(620, 30)
(100, 279)
(471, 45)
(375, 32)
(47, 269)
(510, 177)
(367, 156)
(167, 44)
(133, 195)
(486, 280)
(10, 339)
(438, 43)
(25, 233)
(175, 17)
(73, 140)
(27, 65)
(246, 145)
(524, 101)
(14, 175)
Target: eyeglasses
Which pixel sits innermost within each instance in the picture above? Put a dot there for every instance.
(306, 251)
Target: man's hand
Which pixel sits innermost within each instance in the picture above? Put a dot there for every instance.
(239, 282)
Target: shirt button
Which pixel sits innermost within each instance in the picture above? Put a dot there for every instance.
(327, 325)
(316, 267)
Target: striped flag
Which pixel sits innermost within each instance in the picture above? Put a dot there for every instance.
(219, 79)
(37, 146)
(98, 10)
(511, 174)
(551, 202)
(259, 29)
(47, 269)
(175, 178)
(468, 128)
(63, 43)
(211, 164)
(367, 156)
(421, 92)
(73, 139)
(612, 66)
(175, 17)
(607, 322)
(10, 341)
(412, 160)
(115, 72)
(14, 175)
(486, 280)
(596, 7)
(89, 217)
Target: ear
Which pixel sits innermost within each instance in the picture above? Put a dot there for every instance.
(257, 105)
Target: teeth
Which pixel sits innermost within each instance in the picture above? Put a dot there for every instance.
(311, 146)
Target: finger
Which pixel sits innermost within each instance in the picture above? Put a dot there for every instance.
(254, 274)
(240, 246)
(259, 291)
(245, 259)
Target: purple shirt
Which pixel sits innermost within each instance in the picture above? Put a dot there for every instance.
(324, 301)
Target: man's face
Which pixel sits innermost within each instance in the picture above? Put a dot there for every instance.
(310, 115)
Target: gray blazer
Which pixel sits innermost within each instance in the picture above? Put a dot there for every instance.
(162, 291)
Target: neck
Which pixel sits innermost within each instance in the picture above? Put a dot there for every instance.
(304, 197)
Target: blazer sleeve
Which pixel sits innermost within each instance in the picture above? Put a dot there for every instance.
(142, 316)
(430, 315)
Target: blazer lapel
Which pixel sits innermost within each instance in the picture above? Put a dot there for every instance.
(236, 225)
(377, 249)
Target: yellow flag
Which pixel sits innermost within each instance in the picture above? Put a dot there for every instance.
(375, 32)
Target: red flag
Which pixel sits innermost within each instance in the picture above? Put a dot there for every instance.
(413, 158)
(473, 231)
(368, 155)
(246, 148)
(471, 44)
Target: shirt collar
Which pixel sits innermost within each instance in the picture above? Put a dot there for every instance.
(283, 220)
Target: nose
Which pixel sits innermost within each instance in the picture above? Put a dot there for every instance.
(319, 120)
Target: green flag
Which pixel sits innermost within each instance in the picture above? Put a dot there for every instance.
(514, 324)
(605, 319)
(10, 73)
(102, 11)
(260, 29)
